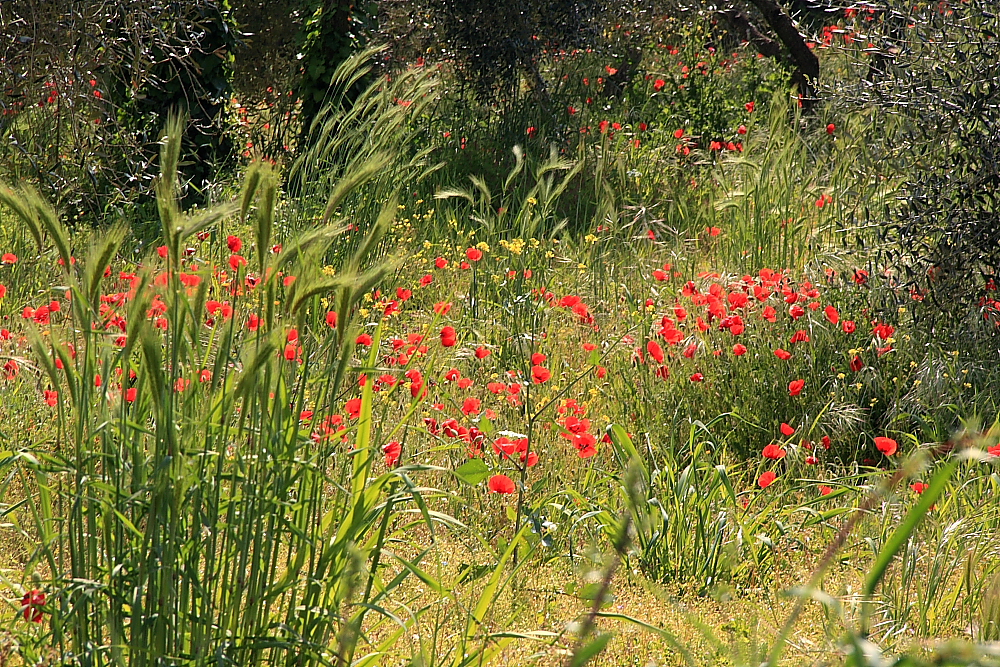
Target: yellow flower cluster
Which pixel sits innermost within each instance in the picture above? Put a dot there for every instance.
(515, 247)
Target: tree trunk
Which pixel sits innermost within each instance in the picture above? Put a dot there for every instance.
(806, 74)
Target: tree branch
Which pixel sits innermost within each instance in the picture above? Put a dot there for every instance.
(739, 24)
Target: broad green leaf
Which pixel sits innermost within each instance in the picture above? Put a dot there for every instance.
(472, 472)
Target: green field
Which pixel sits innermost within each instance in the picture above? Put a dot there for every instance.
(694, 369)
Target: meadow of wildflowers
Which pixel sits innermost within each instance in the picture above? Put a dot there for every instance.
(628, 400)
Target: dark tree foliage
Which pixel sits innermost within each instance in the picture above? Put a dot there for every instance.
(938, 70)
(87, 87)
(494, 43)
(190, 72)
(269, 30)
(498, 46)
(332, 30)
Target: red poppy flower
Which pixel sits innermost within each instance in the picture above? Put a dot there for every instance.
(856, 364)
(417, 389)
(567, 301)
(585, 445)
(8, 258)
(749, 106)
(440, 262)
(737, 300)
(795, 387)
(887, 446)
(130, 394)
(471, 406)
(31, 605)
(540, 374)
(331, 319)
(919, 487)
(830, 128)
(448, 336)
(883, 330)
(786, 430)
(824, 490)
(538, 359)
(784, 355)
(766, 479)
(774, 452)
(392, 450)
(474, 254)
(442, 308)
(659, 275)
(234, 243)
(655, 351)
(697, 377)
(800, 336)
(353, 408)
(363, 339)
(501, 484)
(831, 314)
(482, 352)
(739, 349)
(826, 442)
(848, 326)
(236, 261)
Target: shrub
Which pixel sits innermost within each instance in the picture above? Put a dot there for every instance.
(939, 119)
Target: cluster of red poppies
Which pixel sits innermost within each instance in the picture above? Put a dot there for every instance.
(692, 315)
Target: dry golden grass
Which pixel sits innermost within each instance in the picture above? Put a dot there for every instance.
(543, 597)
